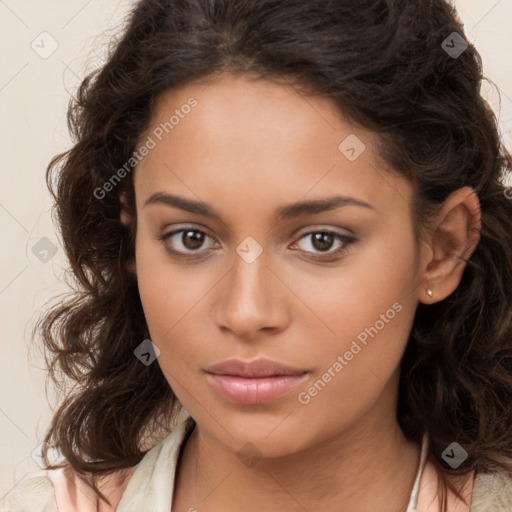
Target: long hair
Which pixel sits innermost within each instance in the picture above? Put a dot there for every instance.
(387, 66)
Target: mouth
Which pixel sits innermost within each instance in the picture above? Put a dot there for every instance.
(255, 382)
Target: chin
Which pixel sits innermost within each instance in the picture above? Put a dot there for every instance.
(268, 434)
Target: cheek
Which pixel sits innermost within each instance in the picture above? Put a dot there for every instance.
(366, 300)
(165, 290)
(369, 308)
(172, 297)
(369, 281)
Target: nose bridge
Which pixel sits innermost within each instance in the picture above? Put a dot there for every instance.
(249, 300)
(249, 277)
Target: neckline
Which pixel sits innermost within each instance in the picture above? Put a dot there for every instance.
(151, 486)
(159, 477)
(413, 500)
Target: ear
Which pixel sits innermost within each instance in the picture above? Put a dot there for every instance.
(126, 220)
(125, 217)
(453, 239)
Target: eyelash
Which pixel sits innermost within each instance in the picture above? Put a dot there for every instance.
(347, 241)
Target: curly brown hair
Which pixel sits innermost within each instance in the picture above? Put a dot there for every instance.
(383, 63)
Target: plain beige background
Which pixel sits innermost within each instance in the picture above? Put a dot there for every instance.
(46, 49)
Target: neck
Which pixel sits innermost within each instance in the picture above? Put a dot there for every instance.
(370, 466)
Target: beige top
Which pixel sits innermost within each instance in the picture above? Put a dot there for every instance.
(148, 487)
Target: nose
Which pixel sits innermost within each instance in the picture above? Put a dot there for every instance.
(252, 301)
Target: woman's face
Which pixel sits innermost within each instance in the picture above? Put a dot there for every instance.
(328, 290)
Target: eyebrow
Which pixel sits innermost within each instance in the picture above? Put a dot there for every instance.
(284, 212)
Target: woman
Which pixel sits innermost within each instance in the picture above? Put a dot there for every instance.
(289, 229)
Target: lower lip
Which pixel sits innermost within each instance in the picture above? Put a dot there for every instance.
(240, 390)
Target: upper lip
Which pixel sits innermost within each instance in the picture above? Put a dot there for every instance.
(256, 368)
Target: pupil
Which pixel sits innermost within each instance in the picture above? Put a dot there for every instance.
(195, 236)
(322, 241)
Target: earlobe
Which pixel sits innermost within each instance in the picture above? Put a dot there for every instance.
(131, 267)
(455, 237)
(126, 219)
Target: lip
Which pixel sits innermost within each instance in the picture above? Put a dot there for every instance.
(253, 382)
(251, 369)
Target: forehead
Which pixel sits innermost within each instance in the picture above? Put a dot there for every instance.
(246, 144)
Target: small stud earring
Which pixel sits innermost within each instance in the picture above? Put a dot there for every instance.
(429, 292)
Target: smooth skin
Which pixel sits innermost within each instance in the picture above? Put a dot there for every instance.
(246, 149)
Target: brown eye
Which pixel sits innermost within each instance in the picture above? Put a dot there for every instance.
(192, 239)
(185, 242)
(321, 243)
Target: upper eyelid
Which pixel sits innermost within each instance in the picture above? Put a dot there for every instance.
(297, 237)
(295, 233)
(314, 229)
